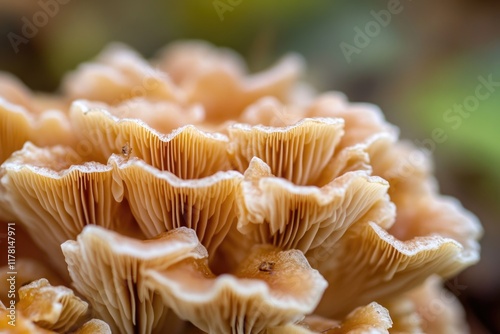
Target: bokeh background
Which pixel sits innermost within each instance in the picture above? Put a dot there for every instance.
(417, 66)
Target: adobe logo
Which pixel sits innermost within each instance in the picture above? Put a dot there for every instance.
(48, 9)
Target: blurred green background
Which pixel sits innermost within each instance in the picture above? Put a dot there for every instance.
(416, 67)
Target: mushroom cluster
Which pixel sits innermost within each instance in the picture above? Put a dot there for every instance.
(184, 195)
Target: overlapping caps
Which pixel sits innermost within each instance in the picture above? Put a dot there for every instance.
(184, 195)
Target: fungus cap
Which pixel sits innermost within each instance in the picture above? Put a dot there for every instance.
(270, 288)
(108, 270)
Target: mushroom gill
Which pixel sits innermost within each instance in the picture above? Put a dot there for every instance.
(185, 195)
(108, 269)
(160, 201)
(298, 153)
(187, 152)
(289, 216)
(54, 197)
(362, 120)
(370, 264)
(408, 169)
(163, 116)
(269, 288)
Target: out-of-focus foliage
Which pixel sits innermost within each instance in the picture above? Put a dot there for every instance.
(476, 134)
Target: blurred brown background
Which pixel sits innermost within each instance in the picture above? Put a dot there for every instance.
(416, 63)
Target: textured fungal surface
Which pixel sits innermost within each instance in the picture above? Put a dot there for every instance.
(183, 194)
